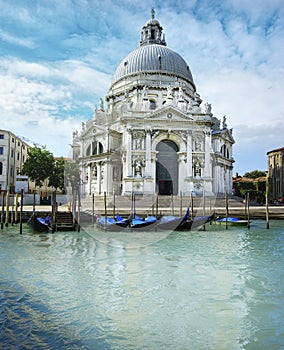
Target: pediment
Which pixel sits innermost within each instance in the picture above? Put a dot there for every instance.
(169, 113)
(226, 134)
(92, 129)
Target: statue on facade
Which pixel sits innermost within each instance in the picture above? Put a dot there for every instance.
(95, 171)
(169, 92)
(145, 93)
(197, 169)
(197, 100)
(102, 105)
(224, 124)
(207, 108)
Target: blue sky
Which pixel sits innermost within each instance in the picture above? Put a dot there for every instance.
(57, 59)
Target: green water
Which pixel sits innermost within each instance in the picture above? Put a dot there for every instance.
(218, 289)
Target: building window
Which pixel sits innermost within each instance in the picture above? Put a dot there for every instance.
(1, 168)
(1, 150)
(23, 158)
(19, 144)
(153, 104)
(12, 153)
(2, 136)
(18, 156)
(13, 140)
(11, 172)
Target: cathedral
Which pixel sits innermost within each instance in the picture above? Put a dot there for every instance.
(152, 134)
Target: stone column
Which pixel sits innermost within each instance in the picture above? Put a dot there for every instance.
(148, 154)
(189, 154)
(182, 172)
(90, 177)
(207, 148)
(99, 184)
(128, 148)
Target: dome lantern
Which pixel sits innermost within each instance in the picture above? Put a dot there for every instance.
(152, 32)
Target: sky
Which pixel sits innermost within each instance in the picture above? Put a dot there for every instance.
(57, 59)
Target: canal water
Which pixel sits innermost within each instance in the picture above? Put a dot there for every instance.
(213, 289)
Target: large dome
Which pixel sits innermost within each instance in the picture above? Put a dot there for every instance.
(153, 58)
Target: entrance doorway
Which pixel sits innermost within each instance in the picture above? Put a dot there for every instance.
(167, 168)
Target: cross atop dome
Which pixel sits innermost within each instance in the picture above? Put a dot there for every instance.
(152, 32)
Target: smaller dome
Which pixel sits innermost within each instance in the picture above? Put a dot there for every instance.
(152, 22)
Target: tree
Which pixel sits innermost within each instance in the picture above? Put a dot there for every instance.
(39, 164)
(56, 178)
(255, 174)
(72, 174)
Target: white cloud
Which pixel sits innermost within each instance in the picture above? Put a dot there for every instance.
(235, 50)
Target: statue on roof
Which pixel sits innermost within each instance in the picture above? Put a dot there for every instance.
(102, 105)
(224, 125)
(152, 13)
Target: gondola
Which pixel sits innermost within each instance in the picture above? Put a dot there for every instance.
(149, 223)
(40, 224)
(113, 224)
(233, 221)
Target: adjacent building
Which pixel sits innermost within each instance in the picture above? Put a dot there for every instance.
(276, 174)
(154, 135)
(13, 154)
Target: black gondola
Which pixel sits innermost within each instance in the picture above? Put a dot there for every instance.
(40, 224)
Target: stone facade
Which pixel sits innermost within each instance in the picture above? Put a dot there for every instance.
(276, 174)
(13, 154)
(154, 135)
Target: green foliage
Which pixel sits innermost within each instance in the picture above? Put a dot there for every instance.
(56, 178)
(39, 164)
(72, 174)
(255, 174)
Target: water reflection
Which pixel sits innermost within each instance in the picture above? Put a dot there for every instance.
(216, 289)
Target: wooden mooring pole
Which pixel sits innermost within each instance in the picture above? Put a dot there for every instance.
(79, 210)
(16, 208)
(53, 212)
(248, 213)
(157, 204)
(105, 204)
(93, 208)
(3, 208)
(191, 206)
(227, 209)
(21, 211)
(180, 204)
(12, 210)
(7, 208)
(113, 208)
(267, 210)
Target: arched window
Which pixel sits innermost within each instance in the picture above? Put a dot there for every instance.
(97, 148)
(88, 152)
(223, 151)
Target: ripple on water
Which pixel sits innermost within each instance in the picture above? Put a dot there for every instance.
(204, 290)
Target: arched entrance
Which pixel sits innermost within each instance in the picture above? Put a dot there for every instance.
(167, 168)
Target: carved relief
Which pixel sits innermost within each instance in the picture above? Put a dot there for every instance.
(198, 142)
